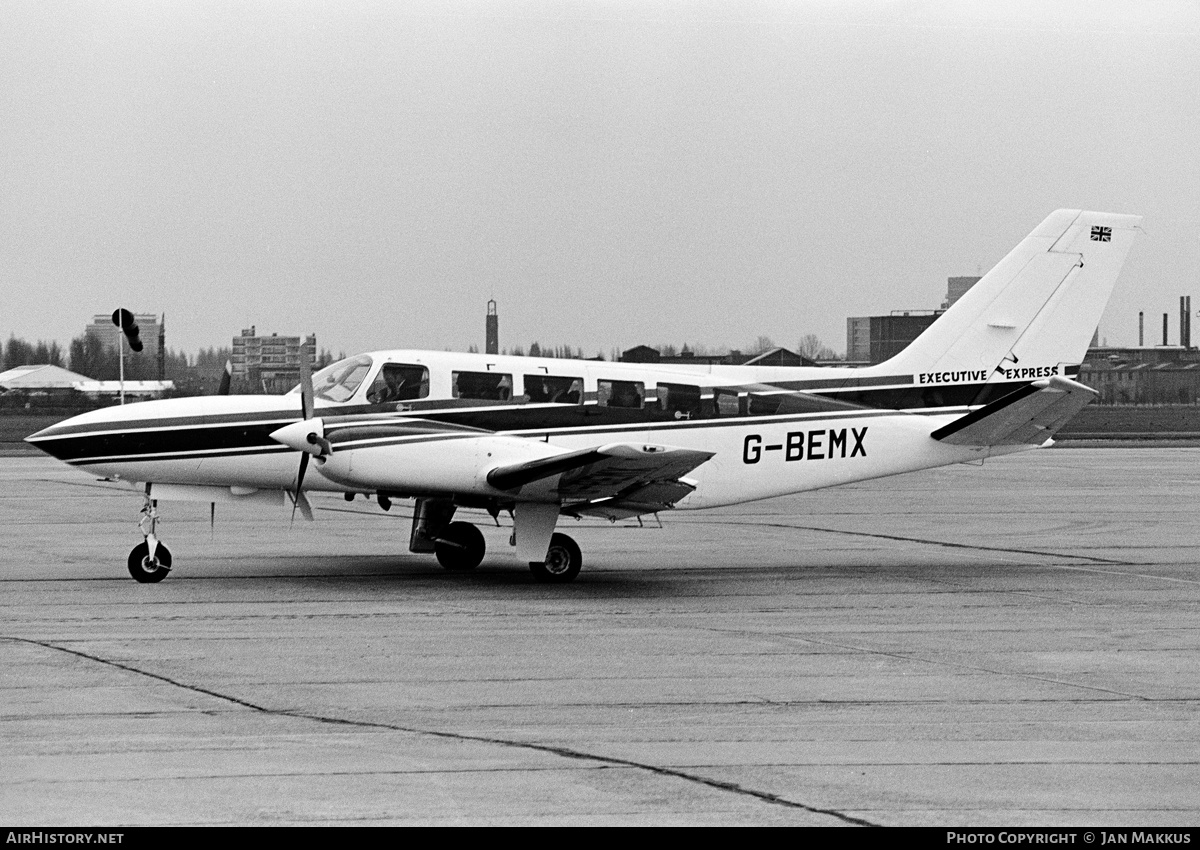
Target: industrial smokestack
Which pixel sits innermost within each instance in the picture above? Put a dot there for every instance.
(1165, 315)
(1185, 321)
(1141, 329)
(491, 343)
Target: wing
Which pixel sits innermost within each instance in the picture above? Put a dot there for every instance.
(1029, 416)
(616, 480)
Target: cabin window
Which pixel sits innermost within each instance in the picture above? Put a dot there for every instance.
(620, 393)
(339, 381)
(726, 403)
(679, 400)
(553, 389)
(765, 405)
(399, 382)
(489, 386)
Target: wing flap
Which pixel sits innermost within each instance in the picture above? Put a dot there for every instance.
(1029, 416)
(608, 471)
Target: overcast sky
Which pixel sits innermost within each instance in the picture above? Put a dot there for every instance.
(612, 173)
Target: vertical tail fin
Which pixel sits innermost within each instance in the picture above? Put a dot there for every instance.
(1038, 307)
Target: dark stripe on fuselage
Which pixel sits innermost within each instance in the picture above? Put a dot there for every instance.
(922, 398)
(200, 436)
(172, 440)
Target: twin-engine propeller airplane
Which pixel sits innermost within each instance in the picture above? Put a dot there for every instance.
(542, 438)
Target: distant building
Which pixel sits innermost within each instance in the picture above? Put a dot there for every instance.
(873, 339)
(151, 332)
(956, 287)
(61, 384)
(858, 339)
(138, 390)
(641, 354)
(771, 357)
(270, 364)
(780, 357)
(1164, 374)
(39, 379)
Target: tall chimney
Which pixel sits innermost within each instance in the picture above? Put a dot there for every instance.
(1165, 315)
(492, 336)
(1141, 329)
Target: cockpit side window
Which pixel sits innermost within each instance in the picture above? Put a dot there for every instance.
(399, 382)
(339, 381)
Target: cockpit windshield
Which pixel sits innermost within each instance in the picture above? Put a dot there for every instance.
(339, 381)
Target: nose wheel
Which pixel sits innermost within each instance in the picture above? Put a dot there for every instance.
(146, 568)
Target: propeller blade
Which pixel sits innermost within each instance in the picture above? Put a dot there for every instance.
(298, 497)
(306, 388)
(304, 505)
(303, 469)
(311, 439)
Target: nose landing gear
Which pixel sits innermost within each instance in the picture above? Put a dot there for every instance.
(150, 560)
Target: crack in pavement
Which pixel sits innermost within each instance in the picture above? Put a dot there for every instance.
(945, 543)
(563, 752)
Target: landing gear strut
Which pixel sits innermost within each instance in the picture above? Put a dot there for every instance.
(562, 564)
(150, 560)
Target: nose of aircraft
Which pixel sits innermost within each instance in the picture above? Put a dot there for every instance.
(52, 436)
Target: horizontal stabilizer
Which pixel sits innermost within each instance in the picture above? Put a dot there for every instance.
(1029, 416)
(604, 471)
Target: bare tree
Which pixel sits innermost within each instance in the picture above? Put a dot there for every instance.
(810, 346)
(763, 343)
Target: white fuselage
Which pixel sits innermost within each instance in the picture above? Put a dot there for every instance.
(219, 443)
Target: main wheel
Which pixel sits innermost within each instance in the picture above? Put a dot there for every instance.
(562, 564)
(145, 569)
(460, 547)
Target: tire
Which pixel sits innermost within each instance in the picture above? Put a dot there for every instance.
(146, 571)
(460, 547)
(562, 564)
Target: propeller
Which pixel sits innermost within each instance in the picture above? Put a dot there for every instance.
(307, 437)
(226, 379)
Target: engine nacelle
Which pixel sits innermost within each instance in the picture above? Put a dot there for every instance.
(447, 464)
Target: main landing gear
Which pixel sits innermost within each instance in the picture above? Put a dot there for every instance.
(150, 560)
(562, 564)
(460, 547)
